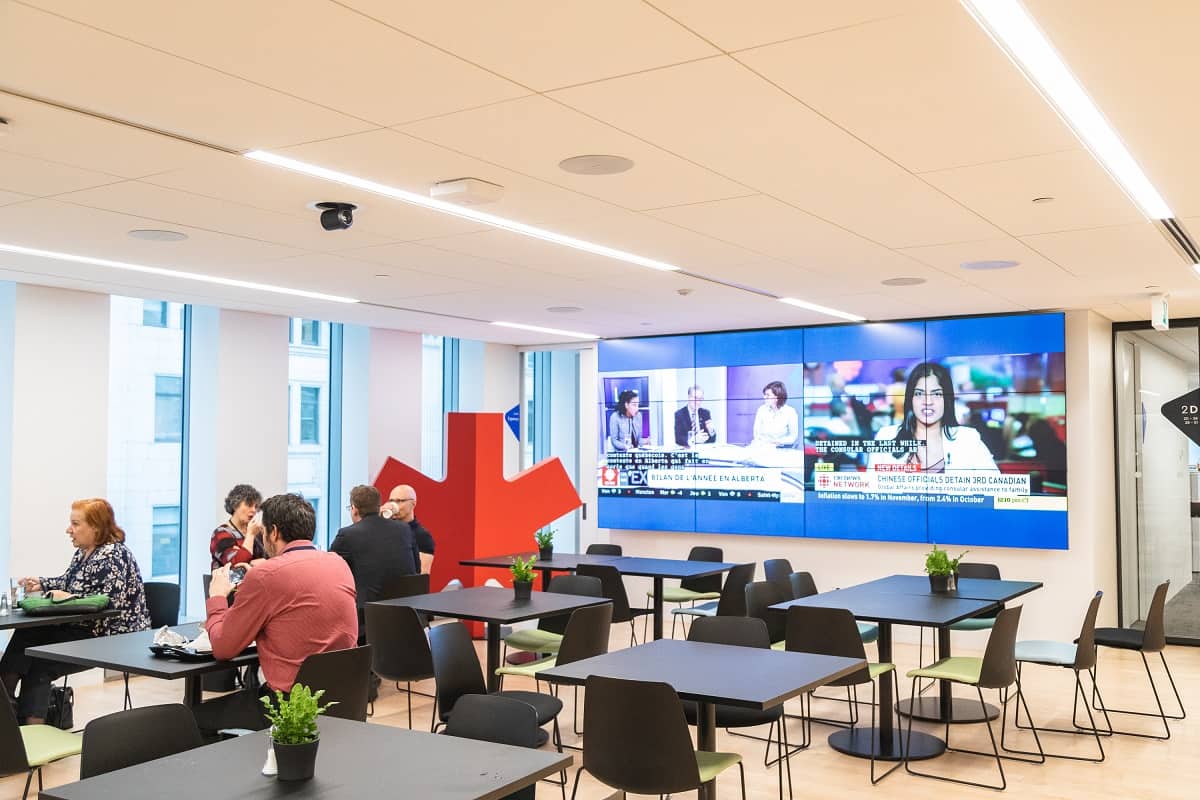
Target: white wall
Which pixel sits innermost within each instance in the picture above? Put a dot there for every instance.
(395, 399)
(501, 391)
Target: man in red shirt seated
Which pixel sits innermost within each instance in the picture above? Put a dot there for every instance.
(297, 603)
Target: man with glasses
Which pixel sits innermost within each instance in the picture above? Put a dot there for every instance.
(402, 503)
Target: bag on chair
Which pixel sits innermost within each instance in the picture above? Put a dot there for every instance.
(61, 711)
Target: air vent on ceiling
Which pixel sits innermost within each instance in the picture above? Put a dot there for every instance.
(1180, 239)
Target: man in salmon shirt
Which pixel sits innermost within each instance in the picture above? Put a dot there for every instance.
(297, 603)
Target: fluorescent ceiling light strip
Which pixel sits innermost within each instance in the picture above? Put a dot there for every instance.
(455, 210)
(172, 273)
(555, 331)
(1016, 33)
(833, 312)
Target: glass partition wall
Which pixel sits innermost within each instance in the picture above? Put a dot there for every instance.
(1158, 474)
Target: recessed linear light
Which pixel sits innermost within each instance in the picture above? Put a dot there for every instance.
(1016, 33)
(902, 281)
(456, 210)
(833, 312)
(171, 273)
(151, 235)
(539, 329)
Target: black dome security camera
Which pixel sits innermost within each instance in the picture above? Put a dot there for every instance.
(336, 216)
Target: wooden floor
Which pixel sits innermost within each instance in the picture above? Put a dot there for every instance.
(1136, 768)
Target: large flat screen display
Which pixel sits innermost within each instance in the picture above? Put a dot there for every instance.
(950, 431)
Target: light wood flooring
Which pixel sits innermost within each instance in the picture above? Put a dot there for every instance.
(1135, 768)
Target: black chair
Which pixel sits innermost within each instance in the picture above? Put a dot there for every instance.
(732, 602)
(162, 600)
(638, 741)
(760, 596)
(802, 584)
(1151, 639)
(404, 586)
(612, 586)
(503, 720)
(777, 569)
(693, 590)
(604, 549)
(126, 738)
(345, 675)
(744, 632)
(548, 634)
(400, 649)
(28, 748)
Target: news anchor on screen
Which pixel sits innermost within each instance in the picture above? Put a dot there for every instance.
(929, 417)
(776, 424)
(625, 424)
(693, 424)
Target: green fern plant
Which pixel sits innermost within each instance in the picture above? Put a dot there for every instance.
(522, 569)
(294, 719)
(544, 538)
(939, 562)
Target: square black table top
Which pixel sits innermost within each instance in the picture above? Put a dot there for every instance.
(560, 561)
(668, 567)
(17, 618)
(490, 604)
(714, 673)
(354, 760)
(864, 602)
(968, 588)
(130, 652)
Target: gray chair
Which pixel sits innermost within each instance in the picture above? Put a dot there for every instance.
(400, 649)
(162, 601)
(803, 585)
(126, 738)
(732, 602)
(503, 720)
(694, 590)
(980, 622)
(613, 587)
(345, 675)
(604, 549)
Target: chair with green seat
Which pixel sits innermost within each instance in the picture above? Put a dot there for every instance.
(732, 602)
(586, 635)
(1080, 657)
(803, 585)
(834, 632)
(548, 634)
(996, 670)
(693, 590)
(638, 741)
(981, 622)
(613, 587)
(28, 748)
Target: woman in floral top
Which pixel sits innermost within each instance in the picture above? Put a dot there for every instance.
(102, 564)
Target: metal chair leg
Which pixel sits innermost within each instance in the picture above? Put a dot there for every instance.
(1162, 714)
(893, 768)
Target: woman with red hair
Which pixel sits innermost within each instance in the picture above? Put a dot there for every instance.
(102, 564)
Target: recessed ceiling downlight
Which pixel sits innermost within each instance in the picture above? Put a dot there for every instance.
(151, 235)
(985, 266)
(903, 281)
(596, 165)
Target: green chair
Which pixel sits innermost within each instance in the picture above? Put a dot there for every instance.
(693, 590)
(982, 622)
(548, 634)
(996, 670)
(732, 602)
(28, 748)
(586, 635)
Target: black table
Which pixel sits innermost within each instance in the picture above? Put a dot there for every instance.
(17, 618)
(496, 607)
(887, 609)
(130, 652)
(660, 568)
(561, 562)
(710, 674)
(354, 760)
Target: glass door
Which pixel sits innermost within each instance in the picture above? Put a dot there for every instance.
(550, 423)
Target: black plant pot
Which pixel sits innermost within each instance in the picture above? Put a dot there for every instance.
(546, 553)
(296, 762)
(939, 583)
(522, 589)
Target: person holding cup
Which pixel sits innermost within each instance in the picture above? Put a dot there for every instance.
(238, 540)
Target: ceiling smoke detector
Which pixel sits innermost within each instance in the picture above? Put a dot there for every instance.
(903, 281)
(5, 127)
(467, 191)
(150, 235)
(984, 266)
(596, 165)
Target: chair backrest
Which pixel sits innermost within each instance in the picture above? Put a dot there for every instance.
(581, 585)
(206, 579)
(1154, 635)
(162, 599)
(733, 593)
(735, 631)
(827, 632)
(12, 747)
(637, 737)
(999, 668)
(404, 586)
(587, 633)
(399, 648)
(760, 596)
(612, 586)
(456, 667)
(345, 675)
(604, 549)
(120, 740)
(989, 572)
(777, 569)
(708, 583)
(1085, 645)
(803, 585)
(494, 718)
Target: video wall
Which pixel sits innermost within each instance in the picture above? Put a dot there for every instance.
(949, 431)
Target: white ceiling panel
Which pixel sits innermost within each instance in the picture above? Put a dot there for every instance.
(357, 278)
(533, 134)
(718, 113)
(928, 90)
(132, 82)
(1084, 194)
(735, 26)
(40, 178)
(544, 44)
(7, 198)
(1137, 255)
(315, 50)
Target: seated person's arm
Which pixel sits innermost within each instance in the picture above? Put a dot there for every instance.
(232, 628)
(426, 563)
(227, 550)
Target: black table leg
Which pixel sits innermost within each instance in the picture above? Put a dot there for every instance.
(546, 576)
(658, 607)
(945, 707)
(193, 690)
(493, 656)
(706, 739)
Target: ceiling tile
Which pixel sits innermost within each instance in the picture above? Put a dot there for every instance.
(1133, 255)
(357, 278)
(7, 198)
(40, 178)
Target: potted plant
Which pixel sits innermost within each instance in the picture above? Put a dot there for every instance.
(294, 734)
(522, 574)
(942, 569)
(545, 543)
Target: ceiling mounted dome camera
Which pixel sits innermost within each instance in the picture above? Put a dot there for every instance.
(336, 216)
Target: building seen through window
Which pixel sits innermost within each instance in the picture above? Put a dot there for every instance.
(308, 414)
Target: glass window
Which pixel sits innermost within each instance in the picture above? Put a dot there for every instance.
(154, 313)
(164, 558)
(310, 411)
(310, 332)
(168, 408)
(308, 415)
(433, 407)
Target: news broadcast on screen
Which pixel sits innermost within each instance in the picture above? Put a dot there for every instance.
(949, 431)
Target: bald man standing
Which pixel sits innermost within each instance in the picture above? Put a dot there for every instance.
(403, 503)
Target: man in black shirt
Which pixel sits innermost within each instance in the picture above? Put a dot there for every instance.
(402, 502)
